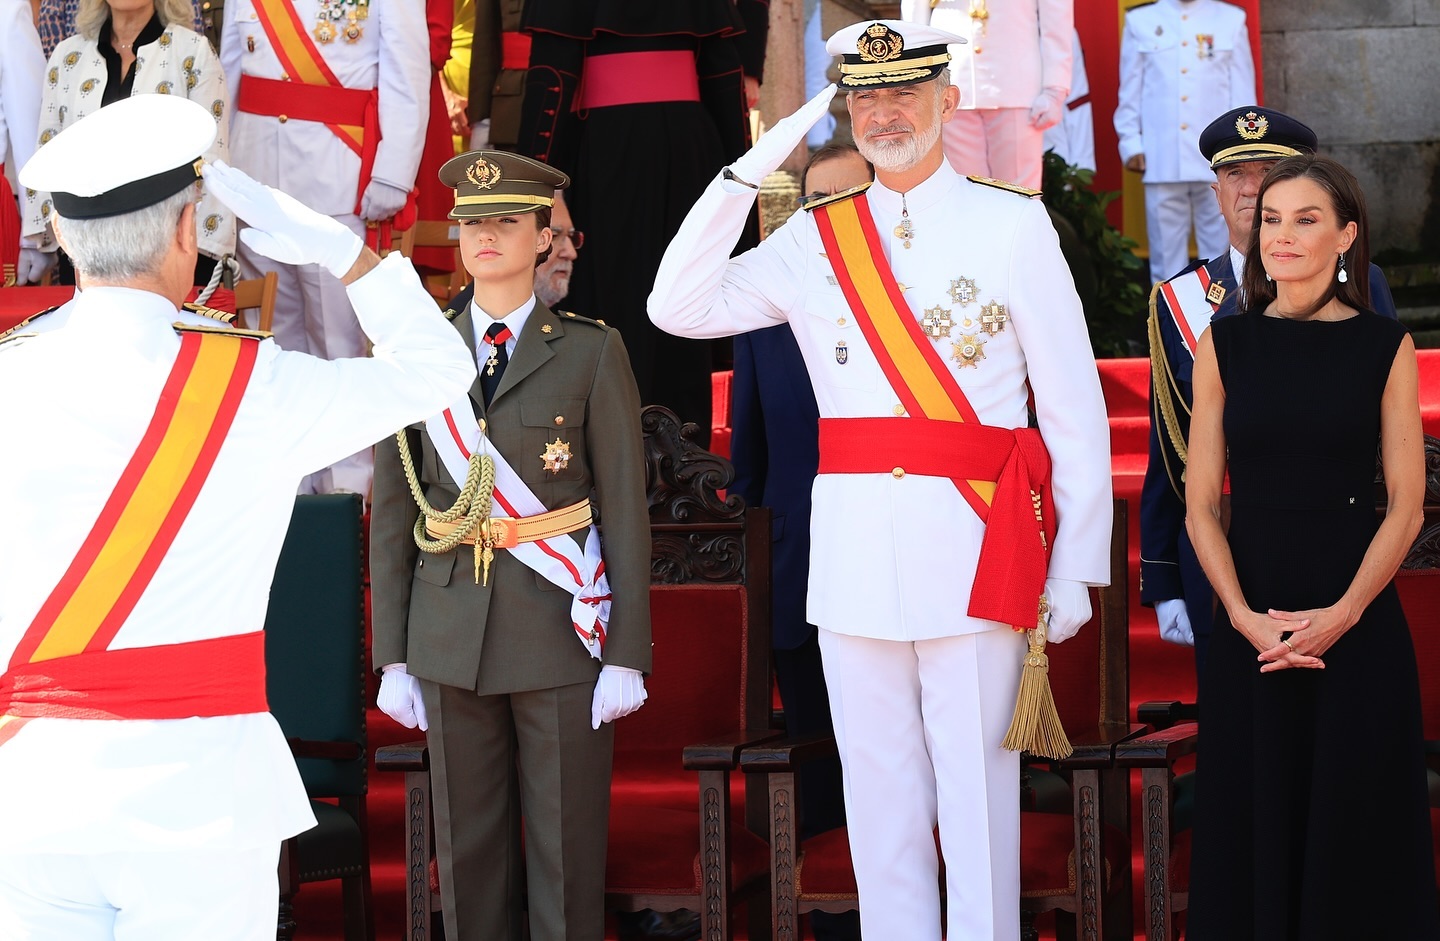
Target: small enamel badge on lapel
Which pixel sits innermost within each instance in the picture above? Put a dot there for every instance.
(842, 353)
(546, 328)
(1216, 294)
(556, 456)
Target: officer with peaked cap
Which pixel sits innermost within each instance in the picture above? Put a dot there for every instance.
(502, 627)
(1240, 146)
(147, 788)
(927, 306)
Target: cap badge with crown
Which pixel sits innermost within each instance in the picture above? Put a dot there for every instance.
(879, 43)
(1252, 126)
(483, 173)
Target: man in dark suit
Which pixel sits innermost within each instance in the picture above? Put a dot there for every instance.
(1241, 145)
(498, 624)
(775, 447)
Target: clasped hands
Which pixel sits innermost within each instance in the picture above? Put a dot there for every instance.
(1311, 634)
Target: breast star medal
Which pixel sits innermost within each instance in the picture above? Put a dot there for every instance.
(964, 291)
(937, 322)
(556, 456)
(993, 318)
(969, 350)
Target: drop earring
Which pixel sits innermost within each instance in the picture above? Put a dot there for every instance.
(1343, 276)
(1267, 277)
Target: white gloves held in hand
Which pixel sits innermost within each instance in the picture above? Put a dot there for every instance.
(1069, 608)
(618, 692)
(1174, 620)
(1047, 109)
(399, 697)
(32, 265)
(381, 201)
(780, 140)
(280, 226)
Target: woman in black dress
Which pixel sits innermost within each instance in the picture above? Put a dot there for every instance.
(1311, 809)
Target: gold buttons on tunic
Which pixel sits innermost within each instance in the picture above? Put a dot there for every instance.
(559, 419)
(284, 118)
(898, 409)
(897, 473)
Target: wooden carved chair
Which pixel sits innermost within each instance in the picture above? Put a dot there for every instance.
(257, 294)
(438, 233)
(1166, 794)
(682, 834)
(315, 678)
(1075, 862)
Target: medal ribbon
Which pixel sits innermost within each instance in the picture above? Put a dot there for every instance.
(1185, 295)
(916, 372)
(302, 61)
(559, 559)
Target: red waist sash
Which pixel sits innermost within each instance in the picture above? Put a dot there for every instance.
(1021, 524)
(223, 676)
(514, 50)
(632, 78)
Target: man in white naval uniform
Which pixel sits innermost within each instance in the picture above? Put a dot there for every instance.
(1183, 63)
(22, 67)
(1014, 76)
(288, 130)
(146, 788)
(921, 690)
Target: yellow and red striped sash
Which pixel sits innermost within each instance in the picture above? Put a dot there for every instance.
(915, 370)
(147, 507)
(302, 61)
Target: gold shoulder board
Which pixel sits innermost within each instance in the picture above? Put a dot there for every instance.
(224, 316)
(1004, 185)
(14, 332)
(226, 331)
(814, 204)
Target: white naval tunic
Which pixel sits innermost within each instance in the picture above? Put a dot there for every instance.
(89, 786)
(180, 62)
(21, 67)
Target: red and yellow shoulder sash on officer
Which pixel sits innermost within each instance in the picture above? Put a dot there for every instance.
(63, 667)
(311, 92)
(496, 509)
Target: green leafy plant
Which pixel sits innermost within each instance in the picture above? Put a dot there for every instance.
(1108, 275)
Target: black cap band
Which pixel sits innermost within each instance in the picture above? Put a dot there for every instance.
(129, 196)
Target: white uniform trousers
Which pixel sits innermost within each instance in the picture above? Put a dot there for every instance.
(919, 726)
(313, 315)
(1169, 208)
(996, 142)
(230, 895)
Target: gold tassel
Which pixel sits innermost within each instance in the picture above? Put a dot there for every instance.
(1036, 727)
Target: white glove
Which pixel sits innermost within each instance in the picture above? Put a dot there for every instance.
(1048, 109)
(1069, 608)
(777, 143)
(1174, 620)
(280, 226)
(381, 201)
(399, 697)
(618, 692)
(33, 264)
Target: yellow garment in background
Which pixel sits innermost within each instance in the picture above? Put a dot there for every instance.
(456, 74)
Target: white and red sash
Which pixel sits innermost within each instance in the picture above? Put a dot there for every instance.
(456, 435)
(1186, 296)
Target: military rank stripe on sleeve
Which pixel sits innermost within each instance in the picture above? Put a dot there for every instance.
(149, 503)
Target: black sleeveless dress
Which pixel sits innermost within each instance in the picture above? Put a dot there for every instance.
(1311, 815)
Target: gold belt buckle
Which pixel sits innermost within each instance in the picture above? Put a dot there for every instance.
(504, 534)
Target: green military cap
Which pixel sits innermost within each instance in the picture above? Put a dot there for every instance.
(499, 183)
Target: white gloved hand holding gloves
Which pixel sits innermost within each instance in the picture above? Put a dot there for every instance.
(777, 143)
(399, 697)
(1047, 109)
(1174, 620)
(280, 226)
(1069, 608)
(381, 201)
(618, 692)
(32, 265)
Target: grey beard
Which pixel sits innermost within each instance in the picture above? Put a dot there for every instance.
(551, 291)
(899, 156)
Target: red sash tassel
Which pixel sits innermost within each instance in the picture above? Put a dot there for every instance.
(223, 676)
(1015, 549)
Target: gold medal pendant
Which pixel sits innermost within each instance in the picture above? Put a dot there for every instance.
(324, 32)
(969, 350)
(353, 29)
(556, 456)
(905, 230)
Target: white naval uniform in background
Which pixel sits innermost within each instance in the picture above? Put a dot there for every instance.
(1073, 139)
(892, 559)
(21, 66)
(307, 160)
(1183, 63)
(98, 792)
(1023, 47)
(179, 62)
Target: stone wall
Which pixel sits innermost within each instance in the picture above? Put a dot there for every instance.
(1365, 74)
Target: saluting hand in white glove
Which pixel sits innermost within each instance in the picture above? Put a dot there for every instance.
(618, 692)
(1069, 608)
(399, 697)
(780, 140)
(280, 226)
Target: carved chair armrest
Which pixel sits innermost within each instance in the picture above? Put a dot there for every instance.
(1158, 749)
(1163, 713)
(329, 750)
(723, 754)
(411, 756)
(786, 754)
(1096, 747)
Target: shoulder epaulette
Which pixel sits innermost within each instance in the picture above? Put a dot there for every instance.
(814, 204)
(451, 313)
(14, 332)
(223, 316)
(224, 331)
(1005, 185)
(568, 316)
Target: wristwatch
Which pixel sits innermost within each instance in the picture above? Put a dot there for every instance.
(728, 174)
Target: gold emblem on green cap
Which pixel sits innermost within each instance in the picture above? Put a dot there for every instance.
(483, 173)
